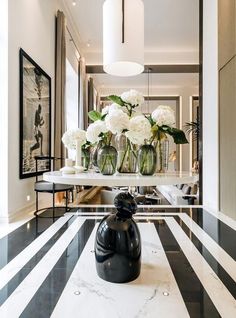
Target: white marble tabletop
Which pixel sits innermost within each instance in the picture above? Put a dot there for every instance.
(91, 178)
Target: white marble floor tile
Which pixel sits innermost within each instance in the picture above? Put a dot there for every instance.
(141, 298)
(219, 294)
(18, 300)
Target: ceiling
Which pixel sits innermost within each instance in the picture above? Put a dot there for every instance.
(105, 81)
(170, 25)
(171, 37)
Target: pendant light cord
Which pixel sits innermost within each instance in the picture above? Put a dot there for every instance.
(123, 21)
(149, 70)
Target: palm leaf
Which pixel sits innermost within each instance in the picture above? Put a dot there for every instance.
(194, 128)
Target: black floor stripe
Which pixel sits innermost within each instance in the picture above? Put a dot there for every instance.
(44, 301)
(217, 268)
(13, 243)
(8, 289)
(197, 301)
(224, 235)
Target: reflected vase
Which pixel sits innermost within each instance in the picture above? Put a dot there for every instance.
(127, 155)
(94, 155)
(147, 160)
(163, 155)
(107, 160)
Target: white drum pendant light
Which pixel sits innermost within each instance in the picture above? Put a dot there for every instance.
(123, 37)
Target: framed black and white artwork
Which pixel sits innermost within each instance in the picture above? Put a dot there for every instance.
(35, 117)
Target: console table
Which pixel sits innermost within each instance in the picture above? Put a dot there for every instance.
(91, 178)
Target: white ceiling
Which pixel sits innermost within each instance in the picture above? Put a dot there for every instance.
(158, 82)
(170, 25)
(155, 80)
(171, 37)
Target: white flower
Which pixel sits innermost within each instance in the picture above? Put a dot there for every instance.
(133, 97)
(164, 115)
(70, 138)
(116, 121)
(139, 130)
(108, 108)
(94, 130)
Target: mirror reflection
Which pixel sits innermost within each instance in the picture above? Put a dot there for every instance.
(170, 75)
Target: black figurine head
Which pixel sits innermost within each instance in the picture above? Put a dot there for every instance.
(125, 204)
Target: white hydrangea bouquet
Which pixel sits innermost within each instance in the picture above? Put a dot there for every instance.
(136, 129)
(114, 119)
(148, 128)
(162, 121)
(100, 134)
(74, 139)
(122, 119)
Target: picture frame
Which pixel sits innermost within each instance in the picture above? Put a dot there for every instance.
(35, 117)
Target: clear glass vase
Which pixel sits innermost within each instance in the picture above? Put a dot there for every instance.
(163, 155)
(94, 155)
(107, 160)
(147, 160)
(127, 155)
(85, 158)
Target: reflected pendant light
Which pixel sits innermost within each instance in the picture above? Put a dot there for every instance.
(123, 37)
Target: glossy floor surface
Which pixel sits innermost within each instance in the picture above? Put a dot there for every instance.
(47, 268)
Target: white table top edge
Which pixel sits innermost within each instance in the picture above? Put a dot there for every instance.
(97, 179)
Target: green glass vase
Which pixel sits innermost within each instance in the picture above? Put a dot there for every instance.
(147, 160)
(107, 160)
(127, 155)
(86, 158)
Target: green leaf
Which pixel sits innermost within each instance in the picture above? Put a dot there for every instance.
(177, 134)
(155, 129)
(94, 115)
(103, 116)
(149, 118)
(87, 145)
(117, 100)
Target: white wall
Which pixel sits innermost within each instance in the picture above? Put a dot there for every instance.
(3, 108)
(31, 27)
(210, 105)
(27, 24)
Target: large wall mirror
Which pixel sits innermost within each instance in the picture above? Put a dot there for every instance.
(172, 71)
(177, 90)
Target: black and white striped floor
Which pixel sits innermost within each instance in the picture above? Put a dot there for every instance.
(188, 268)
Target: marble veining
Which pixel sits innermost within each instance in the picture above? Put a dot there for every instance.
(140, 298)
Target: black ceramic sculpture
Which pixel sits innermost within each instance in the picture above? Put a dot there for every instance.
(118, 243)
